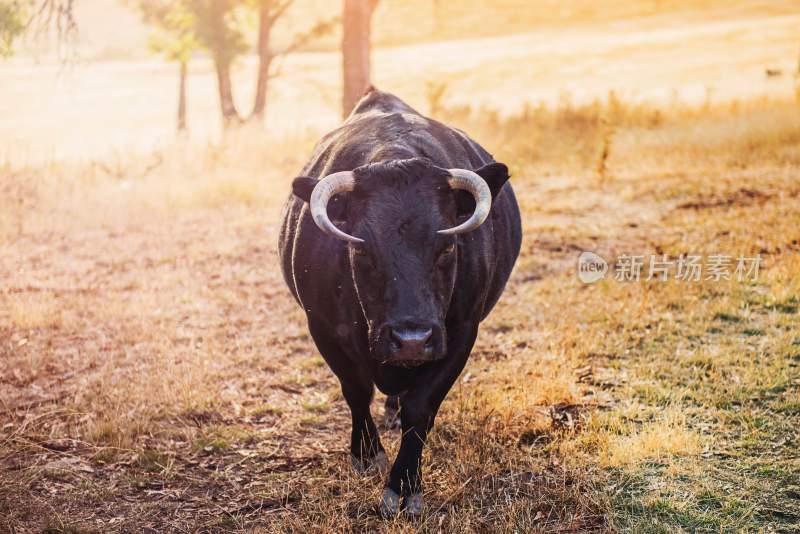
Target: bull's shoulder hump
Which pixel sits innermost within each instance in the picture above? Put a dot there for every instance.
(381, 102)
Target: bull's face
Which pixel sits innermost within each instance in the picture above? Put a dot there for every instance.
(402, 264)
(404, 271)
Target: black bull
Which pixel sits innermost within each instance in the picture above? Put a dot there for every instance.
(400, 310)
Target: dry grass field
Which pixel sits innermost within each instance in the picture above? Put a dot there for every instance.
(156, 376)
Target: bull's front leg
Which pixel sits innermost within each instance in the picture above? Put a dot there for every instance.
(419, 407)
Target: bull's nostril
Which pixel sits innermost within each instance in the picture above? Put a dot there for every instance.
(427, 344)
(395, 341)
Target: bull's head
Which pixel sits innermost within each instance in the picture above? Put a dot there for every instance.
(401, 219)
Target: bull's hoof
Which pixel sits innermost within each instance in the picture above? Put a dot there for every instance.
(390, 504)
(367, 466)
(412, 505)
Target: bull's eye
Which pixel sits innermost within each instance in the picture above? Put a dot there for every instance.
(446, 252)
(361, 255)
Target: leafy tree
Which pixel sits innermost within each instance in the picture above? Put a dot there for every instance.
(220, 29)
(174, 37)
(39, 16)
(269, 12)
(12, 24)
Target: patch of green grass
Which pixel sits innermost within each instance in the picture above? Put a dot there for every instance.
(300, 380)
(62, 528)
(662, 515)
(223, 437)
(747, 401)
(772, 471)
(212, 445)
(751, 332)
(316, 406)
(791, 408)
(682, 507)
(310, 420)
(700, 360)
(313, 362)
(653, 394)
(783, 307)
(727, 317)
(107, 454)
(267, 409)
(222, 523)
(152, 461)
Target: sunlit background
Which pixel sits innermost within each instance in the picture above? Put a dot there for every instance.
(156, 375)
(115, 93)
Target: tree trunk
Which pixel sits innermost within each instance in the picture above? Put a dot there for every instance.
(182, 98)
(356, 51)
(264, 62)
(227, 106)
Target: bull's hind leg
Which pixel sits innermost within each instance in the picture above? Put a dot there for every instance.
(391, 412)
(365, 443)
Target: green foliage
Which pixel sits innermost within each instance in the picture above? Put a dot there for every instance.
(220, 27)
(183, 26)
(320, 29)
(174, 34)
(12, 24)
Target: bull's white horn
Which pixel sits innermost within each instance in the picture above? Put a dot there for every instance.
(474, 184)
(325, 189)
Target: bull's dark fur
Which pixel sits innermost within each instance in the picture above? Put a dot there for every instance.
(404, 273)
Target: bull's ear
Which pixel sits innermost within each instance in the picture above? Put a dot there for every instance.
(496, 175)
(303, 186)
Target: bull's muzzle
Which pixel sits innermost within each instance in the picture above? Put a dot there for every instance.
(412, 346)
